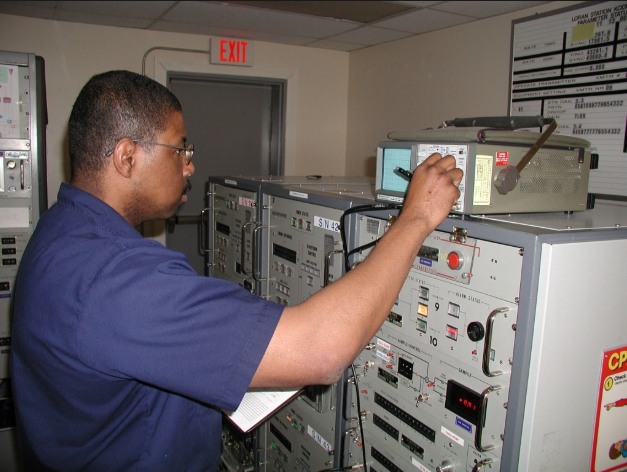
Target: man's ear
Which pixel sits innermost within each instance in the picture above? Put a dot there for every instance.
(124, 158)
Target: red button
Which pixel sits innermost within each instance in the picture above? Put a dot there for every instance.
(453, 261)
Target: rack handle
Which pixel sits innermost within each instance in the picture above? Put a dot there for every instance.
(481, 422)
(487, 346)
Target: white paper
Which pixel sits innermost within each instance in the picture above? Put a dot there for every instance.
(259, 404)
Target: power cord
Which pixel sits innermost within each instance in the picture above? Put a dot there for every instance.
(361, 423)
(358, 209)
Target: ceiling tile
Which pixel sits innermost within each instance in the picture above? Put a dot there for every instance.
(358, 11)
(423, 21)
(418, 4)
(131, 9)
(229, 33)
(369, 35)
(483, 9)
(41, 4)
(255, 19)
(26, 9)
(105, 20)
(336, 45)
(260, 24)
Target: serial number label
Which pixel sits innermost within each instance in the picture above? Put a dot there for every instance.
(247, 202)
(327, 224)
(319, 439)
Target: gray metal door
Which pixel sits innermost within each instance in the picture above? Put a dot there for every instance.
(236, 125)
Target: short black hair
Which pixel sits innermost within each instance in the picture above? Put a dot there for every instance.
(111, 106)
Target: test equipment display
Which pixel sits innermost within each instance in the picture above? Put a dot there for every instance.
(505, 171)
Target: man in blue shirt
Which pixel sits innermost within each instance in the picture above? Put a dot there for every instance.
(121, 355)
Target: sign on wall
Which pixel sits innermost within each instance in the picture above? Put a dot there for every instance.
(232, 52)
(571, 65)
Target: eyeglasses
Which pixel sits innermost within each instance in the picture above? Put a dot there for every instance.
(187, 152)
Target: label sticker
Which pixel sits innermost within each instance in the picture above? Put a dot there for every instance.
(463, 424)
(230, 182)
(419, 466)
(247, 202)
(329, 225)
(14, 218)
(384, 345)
(502, 158)
(383, 356)
(299, 194)
(483, 180)
(452, 435)
(319, 439)
(426, 262)
(390, 198)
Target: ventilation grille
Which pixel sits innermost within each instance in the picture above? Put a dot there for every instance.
(372, 226)
(551, 172)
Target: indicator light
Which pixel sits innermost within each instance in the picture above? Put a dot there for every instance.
(423, 309)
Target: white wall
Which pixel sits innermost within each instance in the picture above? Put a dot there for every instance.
(73, 52)
(419, 82)
(341, 104)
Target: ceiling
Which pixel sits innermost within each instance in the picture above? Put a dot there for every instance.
(337, 25)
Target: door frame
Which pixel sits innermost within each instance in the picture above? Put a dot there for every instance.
(156, 229)
(277, 124)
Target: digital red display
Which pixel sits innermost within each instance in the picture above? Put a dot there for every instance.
(467, 404)
(463, 401)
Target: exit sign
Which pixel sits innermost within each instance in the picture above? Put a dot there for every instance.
(234, 52)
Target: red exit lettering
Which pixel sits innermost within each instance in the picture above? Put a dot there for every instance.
(233, 51)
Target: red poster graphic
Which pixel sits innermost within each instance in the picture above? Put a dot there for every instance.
(609, 449)
(502, 158)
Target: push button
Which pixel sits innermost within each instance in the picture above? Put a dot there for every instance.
(455, 260)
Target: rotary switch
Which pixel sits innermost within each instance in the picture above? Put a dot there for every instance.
(445, 466)
(475, 331)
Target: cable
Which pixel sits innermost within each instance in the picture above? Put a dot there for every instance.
(376, 206)
(361, 423)
(347, 268)
(364, 247)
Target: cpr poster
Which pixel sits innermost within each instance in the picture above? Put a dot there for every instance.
(609, 451)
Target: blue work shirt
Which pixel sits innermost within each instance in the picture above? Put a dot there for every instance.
(121, 354)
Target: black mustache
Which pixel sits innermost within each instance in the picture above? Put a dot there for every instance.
(188, 187)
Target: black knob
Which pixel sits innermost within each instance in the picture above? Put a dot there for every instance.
(475, 331)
